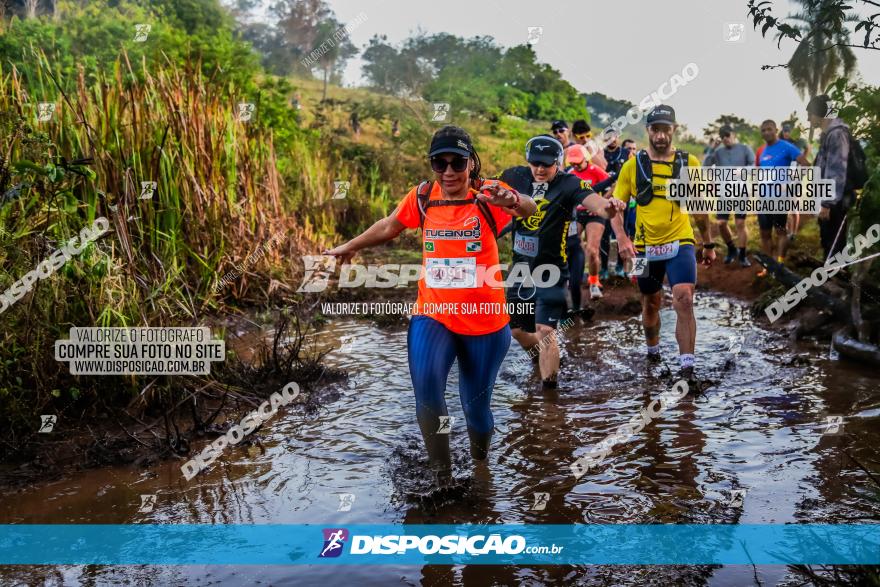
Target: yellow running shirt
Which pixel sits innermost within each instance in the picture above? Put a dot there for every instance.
(661, 221)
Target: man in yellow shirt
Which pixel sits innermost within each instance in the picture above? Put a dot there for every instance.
(664, 240)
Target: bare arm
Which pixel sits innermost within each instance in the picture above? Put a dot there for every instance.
(706, 225)
(496, 195)
(802, 159)
(624, 244)
(382, 231)
(605, 208)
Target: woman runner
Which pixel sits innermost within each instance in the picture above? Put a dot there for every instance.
(460, 312)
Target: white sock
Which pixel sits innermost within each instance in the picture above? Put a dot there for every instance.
(686, 361)
(654, 350)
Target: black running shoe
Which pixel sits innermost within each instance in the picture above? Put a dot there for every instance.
(694, 385)
(587, 313)
(744, 261)
(654, 358)
(731, 255)
(548, 383)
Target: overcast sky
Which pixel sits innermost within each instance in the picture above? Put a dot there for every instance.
(622, 48)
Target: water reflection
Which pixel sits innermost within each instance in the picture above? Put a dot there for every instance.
(758, 430)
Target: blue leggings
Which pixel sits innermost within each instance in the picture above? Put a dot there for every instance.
(432, 349)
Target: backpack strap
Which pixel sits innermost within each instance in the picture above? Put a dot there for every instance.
(644, 178)
(423, 196)
(681, 160)
(645, 174)
(487, 214)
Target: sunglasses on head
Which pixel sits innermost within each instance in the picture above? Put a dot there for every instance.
(458, 164)
(584, 136)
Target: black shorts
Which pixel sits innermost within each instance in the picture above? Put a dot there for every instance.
(549, 304)
(597, 219)
(768, 221)
(726, 217)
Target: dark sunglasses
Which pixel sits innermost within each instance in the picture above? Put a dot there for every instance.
(559, 131)
(458, 164)
(544, 165)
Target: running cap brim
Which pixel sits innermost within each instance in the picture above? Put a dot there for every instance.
(546, 150)
(448, 144)
(661, 114)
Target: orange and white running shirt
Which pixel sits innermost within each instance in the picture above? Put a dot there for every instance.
(461, 286)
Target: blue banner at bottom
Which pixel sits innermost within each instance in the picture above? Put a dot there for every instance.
(372, 544)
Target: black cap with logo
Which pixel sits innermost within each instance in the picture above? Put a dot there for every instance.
(546, 150)
(449, 144)
(661, 114)
(557, 124)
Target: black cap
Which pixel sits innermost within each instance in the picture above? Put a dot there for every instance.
(546, 150)
(580, 126)
(786, 127)
(661, 114)
(557, 124)
(449, 144)
(725, 131)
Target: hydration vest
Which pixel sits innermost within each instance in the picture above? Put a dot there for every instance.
(423, 195)
(645, 174)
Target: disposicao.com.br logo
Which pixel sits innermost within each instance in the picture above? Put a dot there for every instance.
(394, 544)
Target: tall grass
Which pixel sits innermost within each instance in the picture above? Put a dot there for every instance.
(219, 197)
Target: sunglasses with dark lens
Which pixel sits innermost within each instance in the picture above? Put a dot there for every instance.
(584, 136)
(559, 131)
(458, 164)
(544, 165)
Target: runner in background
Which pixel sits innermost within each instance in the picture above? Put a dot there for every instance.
(732, 153)
(615, 155)
(355, 123)
(592, 225)
(459, 216)
(583, 135)
(793, 224)
(833, 160)
(664, 237)
(629, 221)
(559, 129)
(776, 153)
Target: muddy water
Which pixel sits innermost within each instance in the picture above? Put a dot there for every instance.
(759, 429)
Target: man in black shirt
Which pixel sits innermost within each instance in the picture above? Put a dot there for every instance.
(539, 247)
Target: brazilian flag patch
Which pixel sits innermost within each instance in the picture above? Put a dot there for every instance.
(429, 246)
(474, 247)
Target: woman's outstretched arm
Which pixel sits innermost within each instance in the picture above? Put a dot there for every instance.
(381, 232)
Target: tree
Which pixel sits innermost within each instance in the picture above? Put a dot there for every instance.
(823, 51)
(472, 74)
(832, 11)
(335, 49)
(739, 125)
(606, 108)
(298, 22)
